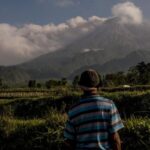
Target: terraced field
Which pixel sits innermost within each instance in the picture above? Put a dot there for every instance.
(35, 119)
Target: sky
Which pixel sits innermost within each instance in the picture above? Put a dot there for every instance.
(30, 28)
(45, 11)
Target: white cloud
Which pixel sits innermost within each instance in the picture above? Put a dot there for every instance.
(96, 18)
(128, 12)
(19, 44)
(77, 21)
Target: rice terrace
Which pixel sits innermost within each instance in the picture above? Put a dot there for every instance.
(34, 118)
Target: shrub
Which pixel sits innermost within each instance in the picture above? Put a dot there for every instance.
(136, 134)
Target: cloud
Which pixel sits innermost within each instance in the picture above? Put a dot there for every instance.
(128, 12)
(75, 22)
(19, 44)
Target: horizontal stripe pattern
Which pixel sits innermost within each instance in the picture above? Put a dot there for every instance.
(96, 124)
(91, 121)
(96, 112)
(92, 134)
(93, 146)
(94, 128)
(88, 109)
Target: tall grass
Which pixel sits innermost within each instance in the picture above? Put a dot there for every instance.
(136, 134)
(38, 123)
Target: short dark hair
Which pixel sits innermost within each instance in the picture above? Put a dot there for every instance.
(89, 78)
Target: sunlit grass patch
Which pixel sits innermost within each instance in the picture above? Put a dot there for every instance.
(136, 133)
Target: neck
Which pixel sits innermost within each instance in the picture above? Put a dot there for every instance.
(92, 92)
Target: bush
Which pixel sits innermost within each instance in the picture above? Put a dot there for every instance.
(136, 134)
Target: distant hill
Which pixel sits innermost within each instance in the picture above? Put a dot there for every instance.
(117, 65)
(110, 47)
(14, 74)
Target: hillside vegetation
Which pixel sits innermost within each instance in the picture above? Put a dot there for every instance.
(37, 121)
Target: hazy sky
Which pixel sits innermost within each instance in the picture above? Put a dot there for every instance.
(29, 28)
(56, 11)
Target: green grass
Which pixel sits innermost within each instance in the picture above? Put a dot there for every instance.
(11, 125)
(136, 133)
(38, 122)
(48, 133)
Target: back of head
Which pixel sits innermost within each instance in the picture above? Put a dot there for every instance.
(90, 79)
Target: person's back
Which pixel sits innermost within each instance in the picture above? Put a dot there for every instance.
(92, 122)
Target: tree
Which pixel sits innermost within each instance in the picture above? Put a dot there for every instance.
(109, 79)
(63, 81)
(1, 82)
(142, 70)
(139, 74)
(39, 85)
(32, 83)
(75, 81)
(115, 79)
(132, 76)
(103, 81)
(120, 78)
(100, 80)
(148, 72)
(48, 84)
(51, 83)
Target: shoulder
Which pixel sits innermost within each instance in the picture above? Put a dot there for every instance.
(74, 107)
(105, 101)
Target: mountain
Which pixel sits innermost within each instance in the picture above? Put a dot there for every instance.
(117, 65)
(111, 47)
(14, 74)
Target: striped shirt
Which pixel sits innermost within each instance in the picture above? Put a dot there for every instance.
(90, 123)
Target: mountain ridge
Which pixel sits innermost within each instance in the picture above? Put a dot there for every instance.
(110, 47)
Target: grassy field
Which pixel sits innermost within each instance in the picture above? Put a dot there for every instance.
(35, 119)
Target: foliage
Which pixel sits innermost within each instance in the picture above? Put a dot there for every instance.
(75, 81)
(1, 82)
(52, 83)
(48, 133)
(131, 103)
(32, 83)
(39, 85)
(136, 134)
(37, 122)
(63, 81)
(139, 74)
(115, 79)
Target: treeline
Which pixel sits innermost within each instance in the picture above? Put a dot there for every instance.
(136, 75)
(36, 84)
(48, 84)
